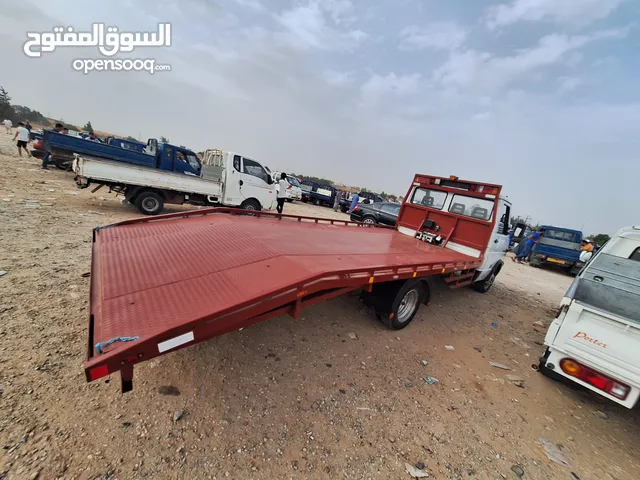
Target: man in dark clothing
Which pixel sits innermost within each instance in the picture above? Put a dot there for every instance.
(59, 128)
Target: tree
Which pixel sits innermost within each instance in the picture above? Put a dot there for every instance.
(88, 127)
(164, 139)
(6, 110)
(25, 113)
(132, 139)
(599, 239)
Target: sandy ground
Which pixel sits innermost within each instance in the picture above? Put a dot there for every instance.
(283, 399)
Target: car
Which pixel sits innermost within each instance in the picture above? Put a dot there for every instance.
(364, 197)
(384, 213)
(295, 193)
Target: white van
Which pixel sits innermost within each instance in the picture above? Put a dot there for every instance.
(595, 338)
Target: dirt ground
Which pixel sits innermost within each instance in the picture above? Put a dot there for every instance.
(282, 399)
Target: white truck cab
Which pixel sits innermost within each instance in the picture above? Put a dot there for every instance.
(246, 182)
(595, 338)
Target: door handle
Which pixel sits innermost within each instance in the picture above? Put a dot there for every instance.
(495, 241)
(241, 183)
(598, 278)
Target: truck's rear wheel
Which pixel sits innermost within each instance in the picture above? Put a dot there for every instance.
(149, 203)
(397, 303)
(250, 204)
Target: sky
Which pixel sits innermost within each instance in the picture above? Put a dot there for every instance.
(540, 96)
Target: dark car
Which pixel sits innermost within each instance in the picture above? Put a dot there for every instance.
(385, 213)
(365, 197)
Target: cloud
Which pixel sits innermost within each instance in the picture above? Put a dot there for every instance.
(317, 26)
(484, 70)
(482, 116)
(439, 36)
(251, 4)
(567, 84)
(339, 79)
(580, 12)
(377, 87)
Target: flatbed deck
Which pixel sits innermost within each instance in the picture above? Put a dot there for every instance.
(169, 282)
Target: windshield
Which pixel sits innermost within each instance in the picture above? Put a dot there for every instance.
(293, 181)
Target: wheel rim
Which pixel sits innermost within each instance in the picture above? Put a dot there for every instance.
(368, 221)
(150, 204)
(408, 305)
(251, 206)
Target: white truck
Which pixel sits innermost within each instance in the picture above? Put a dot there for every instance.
(226, 178)
(595, 338)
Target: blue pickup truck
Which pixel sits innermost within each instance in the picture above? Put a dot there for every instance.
(154, 154)
(318, 193)
(558, 246)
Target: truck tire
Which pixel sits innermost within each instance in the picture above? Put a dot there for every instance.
(397, 303)
(149, 202)
(250, 204)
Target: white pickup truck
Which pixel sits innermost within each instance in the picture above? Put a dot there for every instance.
(595, 338)
(226, 178)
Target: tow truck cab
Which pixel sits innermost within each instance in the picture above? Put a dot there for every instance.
(425, 214)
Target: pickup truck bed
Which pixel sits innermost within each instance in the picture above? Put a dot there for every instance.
(165, 283)
(99, 170)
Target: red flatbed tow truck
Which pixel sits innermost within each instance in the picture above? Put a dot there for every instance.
(164, 283)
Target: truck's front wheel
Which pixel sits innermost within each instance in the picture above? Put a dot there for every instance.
(483, 286)
(149, 203)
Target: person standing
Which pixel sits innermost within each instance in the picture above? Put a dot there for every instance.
(530, 242)
(92, 138)
(22, 134)
(354, 201)
(282, 191)
(8, 124)
(59, 128)
(586, 246)
(336, 201)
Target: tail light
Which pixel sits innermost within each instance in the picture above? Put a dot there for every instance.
(595, 379)
(355, 208)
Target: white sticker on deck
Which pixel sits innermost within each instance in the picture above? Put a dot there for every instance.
(175, 342)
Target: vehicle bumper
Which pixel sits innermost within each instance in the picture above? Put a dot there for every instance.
(556, 355)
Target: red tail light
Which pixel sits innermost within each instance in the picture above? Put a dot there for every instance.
(355, 208)
(595, 379)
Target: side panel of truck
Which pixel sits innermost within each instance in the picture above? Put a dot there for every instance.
(115, 172)
(67, 145)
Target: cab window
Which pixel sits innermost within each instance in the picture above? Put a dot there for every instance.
(236, 162)
(429, 198)
(255, 169)
(471, 207)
